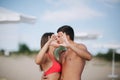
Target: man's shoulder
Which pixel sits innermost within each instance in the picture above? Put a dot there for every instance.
(81, 45)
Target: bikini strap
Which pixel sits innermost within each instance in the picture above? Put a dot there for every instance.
(51, 56)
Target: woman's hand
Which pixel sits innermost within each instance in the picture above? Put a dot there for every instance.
(53, 41)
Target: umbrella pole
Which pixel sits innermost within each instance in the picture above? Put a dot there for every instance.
(113, 76)
(113, 63)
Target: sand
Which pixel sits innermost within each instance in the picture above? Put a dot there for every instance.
(24, 68)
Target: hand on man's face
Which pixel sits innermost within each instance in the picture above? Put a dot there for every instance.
(59, 40)
(62, 39)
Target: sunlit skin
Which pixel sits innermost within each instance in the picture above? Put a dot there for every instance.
(73, 60)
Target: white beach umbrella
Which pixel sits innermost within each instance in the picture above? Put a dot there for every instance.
(108, 45)
(118, 51)
(86, 36)
(115, 47)
(8, 16)
(11, 17)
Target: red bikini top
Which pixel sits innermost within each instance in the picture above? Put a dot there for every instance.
(56, 67)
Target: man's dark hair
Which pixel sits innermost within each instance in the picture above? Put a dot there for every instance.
(68, 30)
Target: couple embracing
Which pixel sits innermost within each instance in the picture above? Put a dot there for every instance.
(71, 61)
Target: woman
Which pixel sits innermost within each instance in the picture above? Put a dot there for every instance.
(45, 58)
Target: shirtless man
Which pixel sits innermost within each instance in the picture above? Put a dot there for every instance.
(73, 60)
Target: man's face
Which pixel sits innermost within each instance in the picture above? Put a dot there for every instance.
(59, 37)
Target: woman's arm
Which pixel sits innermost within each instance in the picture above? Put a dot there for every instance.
(41, 55)
(40, 58)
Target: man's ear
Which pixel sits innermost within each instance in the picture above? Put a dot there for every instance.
(67, 36)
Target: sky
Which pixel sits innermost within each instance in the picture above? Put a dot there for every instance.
(91, 16)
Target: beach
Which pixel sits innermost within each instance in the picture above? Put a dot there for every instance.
(24, 68)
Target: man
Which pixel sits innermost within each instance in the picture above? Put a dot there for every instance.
(73, 60)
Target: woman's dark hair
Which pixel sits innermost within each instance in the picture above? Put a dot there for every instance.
(44, 38)
(68, 30)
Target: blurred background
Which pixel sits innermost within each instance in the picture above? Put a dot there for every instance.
(96, 24)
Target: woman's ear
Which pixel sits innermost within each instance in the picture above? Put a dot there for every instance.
(48, 37)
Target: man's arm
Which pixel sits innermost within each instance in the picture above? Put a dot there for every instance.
(81, 50)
